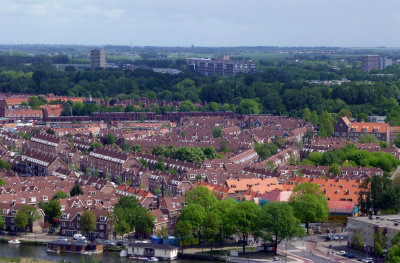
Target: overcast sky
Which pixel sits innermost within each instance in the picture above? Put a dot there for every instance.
(361, 23)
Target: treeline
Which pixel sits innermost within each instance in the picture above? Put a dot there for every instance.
(351, 156)
(281, 88)
(190, 154)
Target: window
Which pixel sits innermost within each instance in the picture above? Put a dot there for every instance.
(101, 227)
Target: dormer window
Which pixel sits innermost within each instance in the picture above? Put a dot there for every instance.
(45, 198)
(13, 212)
(64, 215)
(5, 211)
(103, 218)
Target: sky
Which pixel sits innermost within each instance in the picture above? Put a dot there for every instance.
(345, 23)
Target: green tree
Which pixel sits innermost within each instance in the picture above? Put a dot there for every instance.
(244, 220)
(394, 254)
(136, 148)
(278, 221)
(210, 152)
(184, 231)
(307, 114)
(76, 190)
(213, 106)
(212, 224)
(34, 102)
(265, 150)
(2, 223)
(87, 222)
(376, 194)
(21, 220)
(397, 141)
(60, 195)
(194, 214)
(223, 209)
(201, 195)
(51, 210)
(309, 203)
(110, 140)
(367, 138)
(186, 106)
(345, 113)
(379, 242)
(217, 132)
(248, 106)
(357, 240)
(334, 169)
(94, 145)
(326, 128)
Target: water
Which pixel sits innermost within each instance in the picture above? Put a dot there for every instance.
(30, 251)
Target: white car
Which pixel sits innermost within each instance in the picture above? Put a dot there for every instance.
(62, 239)
(341, 253)
(79, 237)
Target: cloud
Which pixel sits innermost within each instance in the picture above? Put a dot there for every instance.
(206, 22)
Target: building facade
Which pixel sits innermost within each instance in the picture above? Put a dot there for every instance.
(98, 58)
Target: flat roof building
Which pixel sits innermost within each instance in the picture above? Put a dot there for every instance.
(98, 58)
(368, 226)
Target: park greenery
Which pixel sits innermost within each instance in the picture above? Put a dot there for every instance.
(185, 153)
(280, 87)
(128, 215)
(213, 220)
(351, 156)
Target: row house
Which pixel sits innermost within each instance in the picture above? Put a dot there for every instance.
(11, 140)
(108, 161)
(102, 185)
(256, 185)
(46, 143)
(38, 164)
(169, 184)
(172, 207)
(344, 128)
(69, 223)
(9, 211)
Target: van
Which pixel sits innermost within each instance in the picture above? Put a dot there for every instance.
(79, 237)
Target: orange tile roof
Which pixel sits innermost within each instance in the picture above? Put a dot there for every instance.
(333, 189)
(258, 185)
(368, 127)
(346, 121)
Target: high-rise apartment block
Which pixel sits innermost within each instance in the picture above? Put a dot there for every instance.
(98, 58)
(222, 67)
(371, 62)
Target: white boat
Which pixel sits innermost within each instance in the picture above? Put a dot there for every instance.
(152, 259)
(14, 241)
(123, 253)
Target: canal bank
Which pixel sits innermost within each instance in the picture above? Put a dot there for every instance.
(39, 252)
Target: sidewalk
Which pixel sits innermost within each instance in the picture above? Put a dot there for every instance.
(322, 251)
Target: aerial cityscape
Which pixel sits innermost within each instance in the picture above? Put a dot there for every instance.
(169, 130)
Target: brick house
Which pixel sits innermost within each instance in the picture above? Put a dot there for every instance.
(46, 143)
(344, 128)
(108, 160)
(39, 164)
(9, 211)
(69, 223)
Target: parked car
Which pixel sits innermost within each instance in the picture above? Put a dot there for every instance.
(366, 260)
(108, 243)
(52, 230)
(341, 253)
(79, 237)
(350, 255)
(62, 239)
(12, 233)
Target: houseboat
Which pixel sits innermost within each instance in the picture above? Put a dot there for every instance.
(80, 247)
(152, 251)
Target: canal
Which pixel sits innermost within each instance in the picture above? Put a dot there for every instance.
(30, 251)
